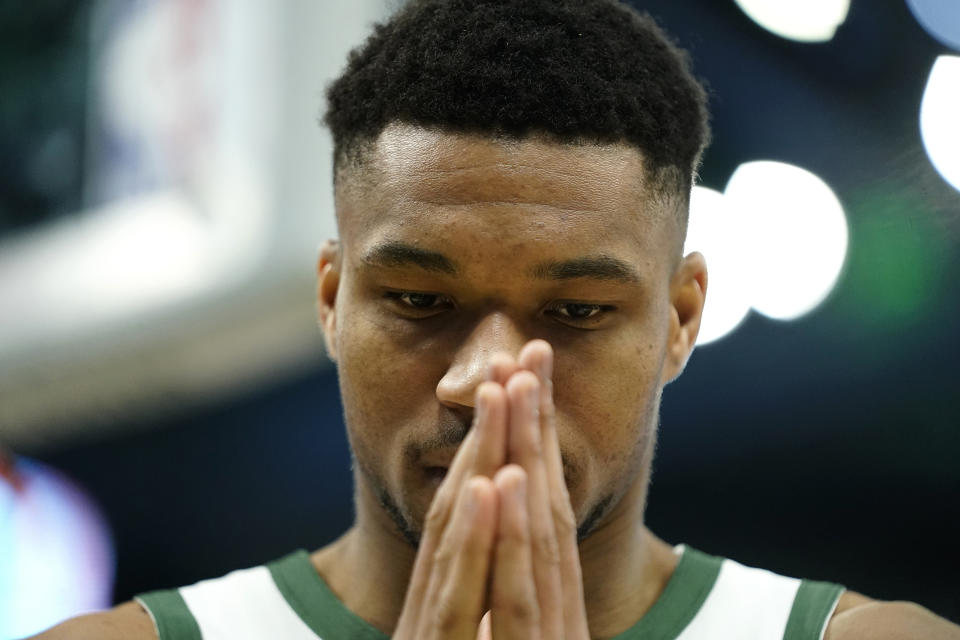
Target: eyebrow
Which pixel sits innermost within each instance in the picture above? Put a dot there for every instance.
(600, 267)
(398, 254)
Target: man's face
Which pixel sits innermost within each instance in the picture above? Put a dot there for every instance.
(454, 248)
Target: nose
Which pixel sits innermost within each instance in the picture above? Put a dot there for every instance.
(495, 333)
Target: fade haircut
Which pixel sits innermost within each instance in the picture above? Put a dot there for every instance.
(575, 71)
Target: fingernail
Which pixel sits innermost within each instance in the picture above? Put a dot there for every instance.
(546, 367)
(519, 490)
(533, 395)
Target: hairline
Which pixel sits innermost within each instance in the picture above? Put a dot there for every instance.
(667, 184)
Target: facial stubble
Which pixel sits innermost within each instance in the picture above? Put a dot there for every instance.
(411, 534)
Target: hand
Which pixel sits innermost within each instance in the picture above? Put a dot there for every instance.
(448, 586)
(507, 525)
(537, 587)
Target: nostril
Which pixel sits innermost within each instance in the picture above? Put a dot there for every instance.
(456, 391)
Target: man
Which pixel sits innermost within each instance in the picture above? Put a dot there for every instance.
(507, 301)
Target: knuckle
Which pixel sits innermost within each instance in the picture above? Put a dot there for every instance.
(547, 548)
(523, 610)
(535, 445)
(436, 514)
(548, 411)
(563, 521)
(447, 617)
(514, 534)
(443, 556)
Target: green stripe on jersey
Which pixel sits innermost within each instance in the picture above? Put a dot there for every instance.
(171, 615)
(310, 597)
(811, 607)
(686, 590)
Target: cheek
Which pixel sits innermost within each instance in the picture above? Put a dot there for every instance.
(607, 405)
(387, 386)
(384, 391)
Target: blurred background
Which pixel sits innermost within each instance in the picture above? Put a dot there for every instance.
(167, 413)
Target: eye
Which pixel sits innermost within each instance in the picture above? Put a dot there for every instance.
(579, 312)
(417, 302)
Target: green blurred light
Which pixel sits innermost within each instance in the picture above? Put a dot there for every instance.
(897, 259)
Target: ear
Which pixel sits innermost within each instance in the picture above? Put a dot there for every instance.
(328, 281)
(688, 291)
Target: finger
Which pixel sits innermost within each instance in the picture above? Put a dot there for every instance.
(501, 367)
(458, 582)
(537, 356)
(514, 610)
(485, 632)
(482, 452)
(525, 448)
(491, 428)
(434, 526)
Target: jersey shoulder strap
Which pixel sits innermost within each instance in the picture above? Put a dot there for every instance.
(242, 605)
(285, 599)
(171, 618)
(710, 598)
(707, 598)
(812, 609)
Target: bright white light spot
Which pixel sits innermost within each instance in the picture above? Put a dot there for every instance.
(56, 552)
(122, 260)
(150, 249)
(795, 236)
(715, 231)
(940, 118)
(808, 21)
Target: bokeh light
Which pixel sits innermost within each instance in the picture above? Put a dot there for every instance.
(898, 259)
(939, 119)
(775, 240)
(795, 234)
(941, 19)
(56, 551)
(810, 21)
(714, 231)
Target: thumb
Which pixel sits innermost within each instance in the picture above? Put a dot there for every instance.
(484, 631)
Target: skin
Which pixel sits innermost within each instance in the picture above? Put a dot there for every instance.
(499, 211)
(472, 357)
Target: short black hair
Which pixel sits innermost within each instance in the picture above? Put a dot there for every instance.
(574, 70)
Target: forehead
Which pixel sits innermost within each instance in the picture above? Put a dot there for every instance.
(427, 185)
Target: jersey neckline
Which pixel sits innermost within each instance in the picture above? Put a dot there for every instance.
(321, 610)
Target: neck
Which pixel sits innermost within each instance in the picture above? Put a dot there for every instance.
(625, 567)
(369, 567)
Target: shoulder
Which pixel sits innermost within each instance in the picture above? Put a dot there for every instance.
(128, 621)
(858, 616)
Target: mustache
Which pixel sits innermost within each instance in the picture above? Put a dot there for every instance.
(449, 433)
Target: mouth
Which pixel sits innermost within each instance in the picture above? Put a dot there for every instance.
(435, 475)
(435, 463)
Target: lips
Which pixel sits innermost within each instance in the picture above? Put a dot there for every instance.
(436, 474)
(442, 457)
(435, 462)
